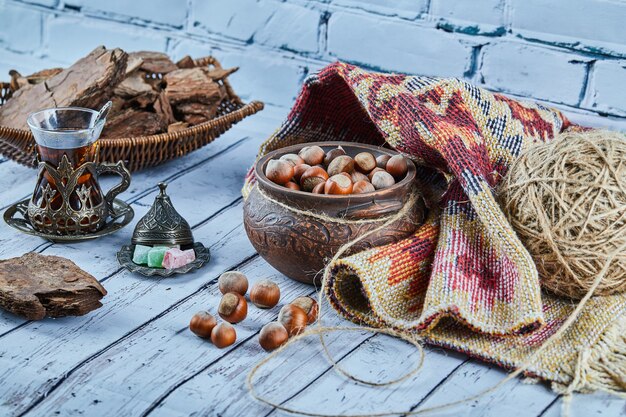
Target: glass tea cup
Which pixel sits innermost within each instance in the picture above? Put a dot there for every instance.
(68, 199)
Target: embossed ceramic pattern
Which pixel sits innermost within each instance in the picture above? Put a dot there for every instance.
(125, 258)
(299, 246)
(16, 216)
(162, 225)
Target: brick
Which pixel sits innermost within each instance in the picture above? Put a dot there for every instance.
(607, 92)
(537, 72)
(396, 46)
(167, 12)
(406, 9)
(470, 17)
(20, 28)
(277, 24)
(70, 38)
(261, 76)
(594, 22)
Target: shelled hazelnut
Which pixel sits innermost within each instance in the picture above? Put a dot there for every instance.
(272, 336)
(309, 306)
(293, 318)
(202, 324)
(233, 281)
(223, 335)
(335, 172)
(265, 294)
(233, 308)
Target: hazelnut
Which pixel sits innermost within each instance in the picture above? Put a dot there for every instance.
(319, 188)
(202, 323)
(278, 171)
(233, 281)
(309, 306)
(374, 171)
(233, 308)
(298, 170)
(365, 162)
(363, 187)
(292, 185)
(341, 164)
(272, 336)
(357, 176)
(293, 158)
(312, 155)
(381, 160)
(312, 177)
(382, 179)
(265, 294)
(223, 335)
(347, 175)
(332, 154)
(397, 166)
(338, 184)
(293, 318)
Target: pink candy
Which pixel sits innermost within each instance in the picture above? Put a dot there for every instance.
(175, 258)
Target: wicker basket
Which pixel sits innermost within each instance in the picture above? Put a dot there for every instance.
(141, 151)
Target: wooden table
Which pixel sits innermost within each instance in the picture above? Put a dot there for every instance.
(135, 356)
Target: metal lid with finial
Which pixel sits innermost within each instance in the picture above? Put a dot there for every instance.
(162, 225)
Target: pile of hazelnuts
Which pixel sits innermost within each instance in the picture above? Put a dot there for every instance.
(334, 172)
(233, 308)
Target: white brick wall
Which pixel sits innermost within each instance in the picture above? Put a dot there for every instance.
(567, 53)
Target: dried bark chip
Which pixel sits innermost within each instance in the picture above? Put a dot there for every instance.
(154, 62)
(35, 286)
(163, 108)
(132, 122)
(192, 85)
(177, 127)
(89, 82)
(186, 62)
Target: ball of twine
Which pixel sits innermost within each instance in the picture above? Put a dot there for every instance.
(567, 202)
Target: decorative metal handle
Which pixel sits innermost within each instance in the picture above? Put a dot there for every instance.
(371, 209)
(120, 169)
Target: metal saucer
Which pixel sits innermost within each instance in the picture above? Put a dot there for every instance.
(16, 216)
(125, 258)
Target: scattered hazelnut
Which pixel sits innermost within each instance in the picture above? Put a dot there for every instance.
(312, 177)
(338, 184)
(272, 336)
(202, 323)
(319, 188)
(233, 308)
(265, 294)
(293, 318)
(382, 180)
(223, 335)
(362, 187)
(298, 170)
(365, 162)
(312, 155)
(357, 176)
(292, 185)
(332, 154)
(309, 306)
(381, 160)
(279, 171)
(233, 281)
(293, 158)
(374, 171)
(341, 164)
(347, 175)
(397, 166)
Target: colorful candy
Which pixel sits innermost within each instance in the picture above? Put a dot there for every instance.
(176, 258)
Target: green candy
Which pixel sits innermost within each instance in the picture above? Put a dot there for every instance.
(155, 256)
(140, 255)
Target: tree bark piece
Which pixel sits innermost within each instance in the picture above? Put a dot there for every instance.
(192, 85)
(163, 108)
(88, 83)
(35, 286)
(132, 122)
(154, 62)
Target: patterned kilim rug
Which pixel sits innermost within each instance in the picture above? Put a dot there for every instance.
(463, 280)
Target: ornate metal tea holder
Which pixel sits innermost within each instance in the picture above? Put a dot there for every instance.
(163, 226)
(84, 220)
